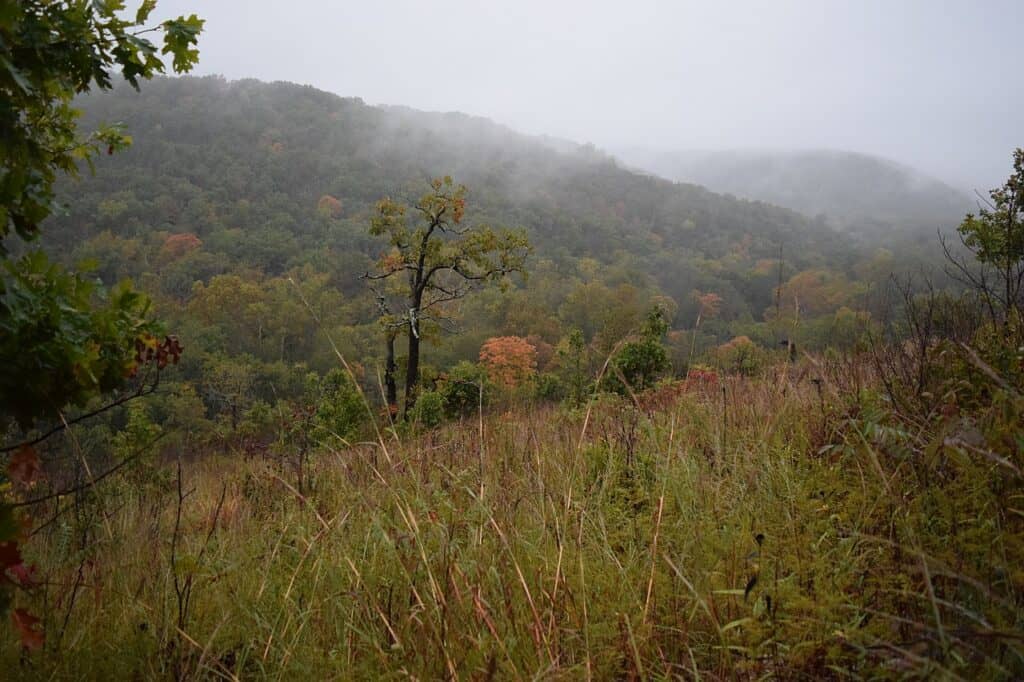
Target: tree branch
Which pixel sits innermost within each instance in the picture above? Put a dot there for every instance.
(143, 390)
(88, 484)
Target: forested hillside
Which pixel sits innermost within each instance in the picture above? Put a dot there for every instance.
(253, 181)
(856, 192)
(211, 157)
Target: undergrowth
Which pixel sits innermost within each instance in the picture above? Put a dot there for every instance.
(794, 525)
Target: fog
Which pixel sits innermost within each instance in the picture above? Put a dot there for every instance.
(935, 85)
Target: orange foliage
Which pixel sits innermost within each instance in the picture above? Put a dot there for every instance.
(816, 291)
(736, 343)
(391, 262)
(458, 210)
(709, 303)
(177, 245)
(509, 360)
(329, 206)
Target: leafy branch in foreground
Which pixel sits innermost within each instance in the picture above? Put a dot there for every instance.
(49, 53)
(63, 340)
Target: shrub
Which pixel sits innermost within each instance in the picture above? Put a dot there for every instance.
(428, 410)
(640, 362)
(460, 389)
(548, 387)
(340, 412)
(740, 355)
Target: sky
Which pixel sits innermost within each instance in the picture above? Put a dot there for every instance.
(935, 84)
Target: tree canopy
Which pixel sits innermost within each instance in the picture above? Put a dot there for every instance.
(437, 262)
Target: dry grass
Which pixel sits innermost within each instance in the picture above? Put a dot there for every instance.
(714, 536)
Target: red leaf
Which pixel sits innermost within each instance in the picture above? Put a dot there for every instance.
(24, 466)
(25, 575)
(27, 625)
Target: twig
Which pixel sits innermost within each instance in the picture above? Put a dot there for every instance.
(78, 488)
(67, 423)
(987, 370)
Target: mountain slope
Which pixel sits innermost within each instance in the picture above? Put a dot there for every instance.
(244, 164)
(856, 191)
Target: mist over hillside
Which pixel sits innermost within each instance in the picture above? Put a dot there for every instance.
(857, 192)
(243, 165)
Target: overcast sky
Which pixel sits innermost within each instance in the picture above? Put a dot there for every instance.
(933, 83)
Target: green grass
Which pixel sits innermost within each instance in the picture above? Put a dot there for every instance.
(763, 530)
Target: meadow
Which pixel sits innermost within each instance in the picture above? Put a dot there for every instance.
(787, 525)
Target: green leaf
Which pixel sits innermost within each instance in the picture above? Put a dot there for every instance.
(142, 15)
(179, 36)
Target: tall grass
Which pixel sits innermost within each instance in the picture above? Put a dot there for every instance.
(761, 527)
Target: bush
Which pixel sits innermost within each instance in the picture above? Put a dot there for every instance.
(549, 388)
(741, 355)
(428, 410)
(340, 412)
(641, 362)
(460, 390)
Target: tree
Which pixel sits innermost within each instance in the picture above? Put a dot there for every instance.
(575, 362)
(62, 340)
(178, 245)
(329, 206)
(509, 360)
(639, 363)
(57, 324)
(391, 326)
(236, 306)
(51, 52)
(437, 262)
(996, 238)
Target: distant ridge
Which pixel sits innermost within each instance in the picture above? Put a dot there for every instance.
(859, 192)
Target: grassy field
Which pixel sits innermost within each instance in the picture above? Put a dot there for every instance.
(786, 526)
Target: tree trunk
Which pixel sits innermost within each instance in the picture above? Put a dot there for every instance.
(390, 389)
(412, 371)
